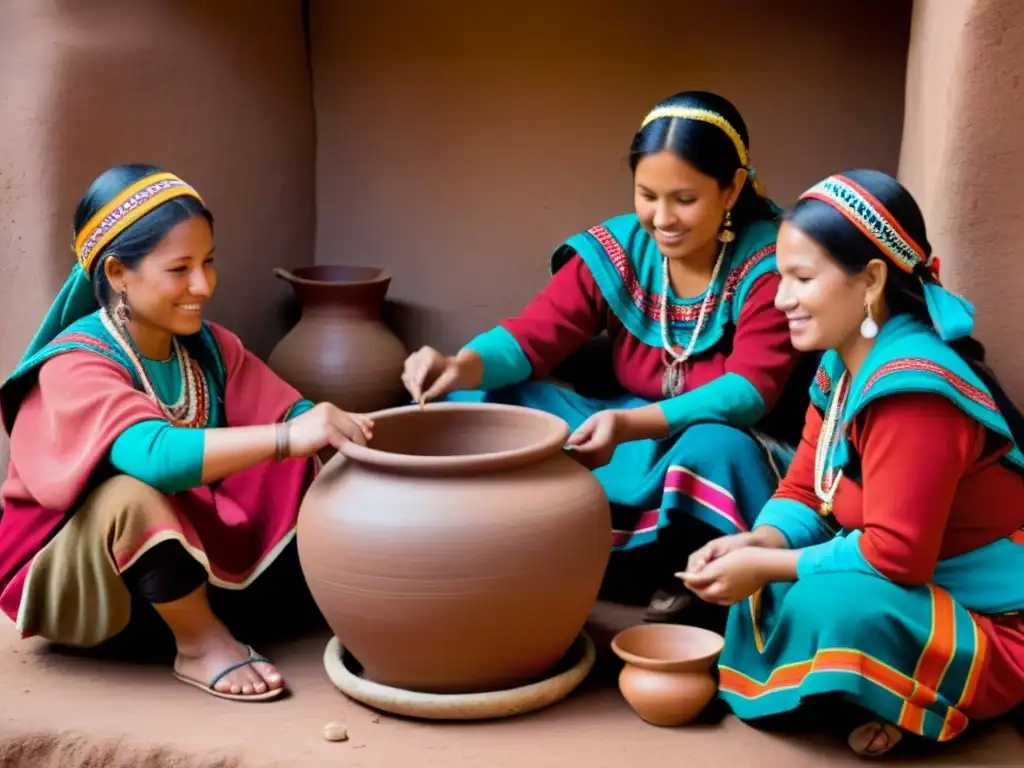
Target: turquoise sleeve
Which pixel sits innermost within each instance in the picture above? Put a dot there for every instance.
(798, 523)
(505, 363)
(729, 399)
(161, 455)
(297, 409)
(840, 555)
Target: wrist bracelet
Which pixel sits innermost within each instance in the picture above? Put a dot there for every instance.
(282, 449)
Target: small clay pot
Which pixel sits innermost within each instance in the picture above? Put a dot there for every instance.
(667, 677)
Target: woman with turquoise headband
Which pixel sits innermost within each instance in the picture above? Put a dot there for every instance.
(157, 465)
(684, 289)
(880, 589)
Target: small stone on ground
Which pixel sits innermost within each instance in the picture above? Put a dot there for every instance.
(334, 731)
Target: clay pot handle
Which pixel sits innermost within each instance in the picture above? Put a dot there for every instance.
(284, 274)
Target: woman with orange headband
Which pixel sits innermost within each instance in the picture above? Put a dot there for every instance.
(152, 455)
(884, 575)
(684, 288)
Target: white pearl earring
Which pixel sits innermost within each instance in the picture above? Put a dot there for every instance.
(868, 328)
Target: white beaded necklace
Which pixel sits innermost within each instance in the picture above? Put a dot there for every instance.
(824, 453)
(672, 383)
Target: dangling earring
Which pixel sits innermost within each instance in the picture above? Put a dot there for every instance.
(726, 235)
(868, 328)
(122, 311)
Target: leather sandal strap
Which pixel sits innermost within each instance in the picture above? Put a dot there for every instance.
(254, 658)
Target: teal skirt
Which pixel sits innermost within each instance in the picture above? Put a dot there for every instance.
(719, 474)
(912, 656)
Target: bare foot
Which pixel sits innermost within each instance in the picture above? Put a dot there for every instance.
(206, 657)
(873, 739)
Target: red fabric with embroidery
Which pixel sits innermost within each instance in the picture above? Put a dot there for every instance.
(931, 488)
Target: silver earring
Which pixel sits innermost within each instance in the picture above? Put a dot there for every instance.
(868, 328)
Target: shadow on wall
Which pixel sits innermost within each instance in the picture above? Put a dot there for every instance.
(459, 149)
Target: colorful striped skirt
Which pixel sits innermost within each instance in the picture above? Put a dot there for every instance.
(718, 474)
(913, 656)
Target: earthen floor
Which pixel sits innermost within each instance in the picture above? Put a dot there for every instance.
(59, 709)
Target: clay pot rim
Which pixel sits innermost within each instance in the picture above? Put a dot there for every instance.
(674, 664)
(552, 443)
(295, 276)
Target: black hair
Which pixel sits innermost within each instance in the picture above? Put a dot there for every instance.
(143, 236)
(903, 291)
(706, 147)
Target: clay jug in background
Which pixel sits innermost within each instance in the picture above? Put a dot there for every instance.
(461, 551)
(341, 351)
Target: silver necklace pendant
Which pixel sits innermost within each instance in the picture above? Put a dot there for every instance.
(672, 380)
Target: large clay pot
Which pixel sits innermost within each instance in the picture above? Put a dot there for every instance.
(341, 351)
(461, 552)
(667, 675)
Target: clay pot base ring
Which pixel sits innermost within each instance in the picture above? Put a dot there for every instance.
(469, 706)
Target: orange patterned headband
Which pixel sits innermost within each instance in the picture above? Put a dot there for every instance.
(125, 209)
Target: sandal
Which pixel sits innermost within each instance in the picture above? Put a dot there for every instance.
(862, 736)
(254, 658)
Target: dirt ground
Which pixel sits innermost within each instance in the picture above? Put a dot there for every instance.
(73, 711)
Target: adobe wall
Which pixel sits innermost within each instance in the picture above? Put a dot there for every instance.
(216, 92)
(458, 148)
(963, 159)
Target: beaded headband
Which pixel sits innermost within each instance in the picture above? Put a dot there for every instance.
(704, 116)
(130, 205)
(712, 118)
(866, 212)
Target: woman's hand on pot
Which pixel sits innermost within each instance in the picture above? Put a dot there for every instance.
(428, 374)
(595, 440)
(325, 424)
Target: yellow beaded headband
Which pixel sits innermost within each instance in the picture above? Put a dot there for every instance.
(715, 119)
(704, 116)
(125, 209)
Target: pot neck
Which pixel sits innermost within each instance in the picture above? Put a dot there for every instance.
(357, 299)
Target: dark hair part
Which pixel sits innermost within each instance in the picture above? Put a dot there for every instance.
(706, 147)
(903, 292)
(138, 240)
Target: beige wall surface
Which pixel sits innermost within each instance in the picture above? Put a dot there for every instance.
(963, 159)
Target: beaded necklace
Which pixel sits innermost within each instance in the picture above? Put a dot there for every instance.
(192, 408)
(825, 485)
(672, 383)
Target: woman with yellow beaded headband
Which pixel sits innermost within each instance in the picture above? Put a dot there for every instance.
(152, 455)
(907, 491)
(684, 286)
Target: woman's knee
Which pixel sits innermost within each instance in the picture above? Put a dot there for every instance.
(830, 601)
(722, 441)
(122, 498)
